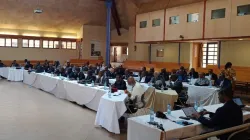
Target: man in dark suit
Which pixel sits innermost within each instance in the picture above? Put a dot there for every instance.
(144, 77)
(90, 77)
(212, 75)
(112, 73)
(127, 74)
(193, 73)
(120, 84)
(182, 74)
(165, 74)
(229, 115)
(28, 65)
(175, 84)
(223, 82)
(1, 64)
(14, 64)
(158, 80)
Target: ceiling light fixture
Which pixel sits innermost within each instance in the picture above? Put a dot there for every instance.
(241, 39)
(38, 10)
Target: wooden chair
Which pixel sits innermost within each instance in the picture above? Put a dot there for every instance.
(236, 133)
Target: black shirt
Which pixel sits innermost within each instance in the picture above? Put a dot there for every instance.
(120, 85)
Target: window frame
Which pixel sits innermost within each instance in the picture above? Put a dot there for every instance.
(34, 44)
(141, 24)
(49, 41)
(11, 42)
(170, 21)
(193, 21)
(66, 47)
(207, 54)
(154, 25)
(218, 10)
(239, 14)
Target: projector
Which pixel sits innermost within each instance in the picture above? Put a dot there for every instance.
(38, 11)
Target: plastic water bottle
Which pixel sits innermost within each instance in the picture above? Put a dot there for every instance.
(78, 79)
(169, 109)
(190, 83)
(109, 92)
(44, 72)
(68, 77)
(105, 85)
(196, 106)
(151, 115)
(210, 83)
(92, 83)
(162, 88)
(201, 106)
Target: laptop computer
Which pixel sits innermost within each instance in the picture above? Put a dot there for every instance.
(189, 111)
(239, 102)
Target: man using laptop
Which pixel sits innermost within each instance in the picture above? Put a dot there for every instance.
(229, 115)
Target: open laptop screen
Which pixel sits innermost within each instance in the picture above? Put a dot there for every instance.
(238, 101)
(189, 111)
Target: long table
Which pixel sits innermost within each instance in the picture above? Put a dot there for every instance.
(12, 74)
(65, 89)
(139, 129)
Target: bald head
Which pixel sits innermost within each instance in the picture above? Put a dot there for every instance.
(131, 81)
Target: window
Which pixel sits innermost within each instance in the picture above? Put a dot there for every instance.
(219, 13)
(160, 53)
(69, 45)
(193, 17)
(209, 54)
(243, 10)
(31, 43)
(8, 42)
(174, 20)
(50, 44)
(156, 22)
(143, 24)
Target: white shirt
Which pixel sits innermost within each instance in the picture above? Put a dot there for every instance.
(143, 79)
(138, 91)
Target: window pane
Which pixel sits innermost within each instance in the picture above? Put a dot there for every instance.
(204, 45)
(37, 43)
(204, 57)
(64, 45)
(210, 57)
(204, 61)
(31, 43)
(2, 42)
(193, 17)
(215, 49)
(14, 42)
(25, 43)
(211, 49)
(174, 20)
(243, 10)
(219, 13)
(8, 42)
(204, 65)
(143, 24)
(204, 53)
(210, 61)
(215, 57)
(51, 44)
(205, 49)
(68, 45)
(215, 53)
(156, 22)
(45, 44)
(56, 44)
(73, 45)
(215, 61)
(210, 53)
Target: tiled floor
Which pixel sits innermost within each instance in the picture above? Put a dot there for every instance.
(30, 114)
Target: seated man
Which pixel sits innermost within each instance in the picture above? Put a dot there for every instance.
(142, 69)
(137, 91)
(223, 82)
(112, 73)
(175, 84)
(85, 67)
(37, 65)
(158, 80)
(212, 75)
(28, 65)
(39, 69)
(165, 74)
(14, 64)
(120, 70)
(1, 64)
(193, 73)
(77, 74)
(182, 74)
(90, 77)
(202, 81)
(127, 74)
(120, 84)
(229, 115)
(101, 79)
(151, 72)
(144, 78)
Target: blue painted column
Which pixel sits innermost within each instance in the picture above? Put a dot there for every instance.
(108, 24)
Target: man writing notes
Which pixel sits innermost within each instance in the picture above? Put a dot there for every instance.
(202, 81)
(229, 115)
(136, 91)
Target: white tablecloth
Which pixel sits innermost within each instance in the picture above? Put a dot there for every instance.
(139, 129)
(12, 74)
(64, 89)
(207, 95)
(109, 111)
